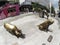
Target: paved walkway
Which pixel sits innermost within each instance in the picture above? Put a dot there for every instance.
(10, 19)
(58, 20)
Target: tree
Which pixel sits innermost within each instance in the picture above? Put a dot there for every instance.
(36, 6)
(39, 8)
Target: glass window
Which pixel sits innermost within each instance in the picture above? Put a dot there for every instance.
(13, 9)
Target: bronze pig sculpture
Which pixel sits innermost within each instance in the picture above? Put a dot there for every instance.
(45, 25)
(14, 30)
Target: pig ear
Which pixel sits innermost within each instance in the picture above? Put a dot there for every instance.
(37, 25)
(53, 21)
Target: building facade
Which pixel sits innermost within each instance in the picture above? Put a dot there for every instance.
(14, 0)
(27, 4)
(42, 2)
(11, 0)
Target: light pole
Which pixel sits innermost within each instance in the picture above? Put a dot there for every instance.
(50, 7)
(59, 5)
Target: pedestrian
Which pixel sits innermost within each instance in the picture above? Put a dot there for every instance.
(42, 13)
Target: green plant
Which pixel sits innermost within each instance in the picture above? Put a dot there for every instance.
(38, 7)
